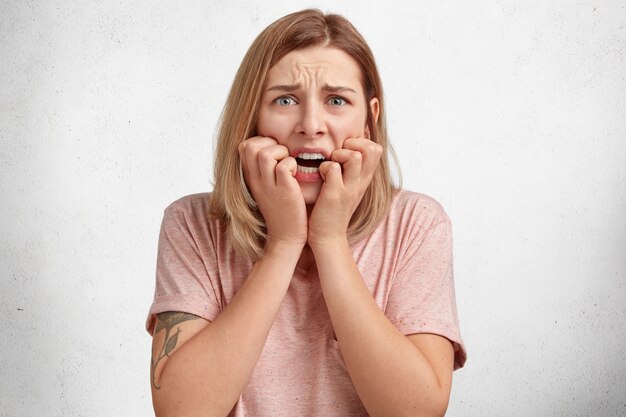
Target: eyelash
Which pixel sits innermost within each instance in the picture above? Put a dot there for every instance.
(277, 100)
(345, 101)
(339, 98)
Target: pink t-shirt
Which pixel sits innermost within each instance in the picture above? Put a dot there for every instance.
(406, 263)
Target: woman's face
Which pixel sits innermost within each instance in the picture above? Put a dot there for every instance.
(312, 101)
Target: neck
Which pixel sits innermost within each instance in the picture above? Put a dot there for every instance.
(307, 260)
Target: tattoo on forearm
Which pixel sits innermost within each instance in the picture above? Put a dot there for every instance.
(167, 321)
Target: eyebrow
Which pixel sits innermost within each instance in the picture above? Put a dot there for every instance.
(293, 87)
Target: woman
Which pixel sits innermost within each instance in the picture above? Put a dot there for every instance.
(305, 283)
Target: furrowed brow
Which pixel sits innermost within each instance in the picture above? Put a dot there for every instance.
(337, 89)
(327, 87)
(284, 87)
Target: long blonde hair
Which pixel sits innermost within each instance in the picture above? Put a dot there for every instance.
(231, 201)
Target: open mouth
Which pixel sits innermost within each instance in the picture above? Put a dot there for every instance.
(309, 163)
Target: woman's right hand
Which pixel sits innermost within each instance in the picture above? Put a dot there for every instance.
(269, 172)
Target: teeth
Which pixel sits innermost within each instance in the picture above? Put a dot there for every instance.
(304, 155)
(307, 170)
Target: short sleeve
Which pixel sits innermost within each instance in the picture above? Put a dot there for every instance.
(422, 297)
(182, 279)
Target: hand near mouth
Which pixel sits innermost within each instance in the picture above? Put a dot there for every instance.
(269, 173)
(346, 178)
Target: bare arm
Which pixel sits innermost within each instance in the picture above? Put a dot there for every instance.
(394, 375)
(201, 368)
(208, 365)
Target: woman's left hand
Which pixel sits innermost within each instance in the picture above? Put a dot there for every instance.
(346, 177)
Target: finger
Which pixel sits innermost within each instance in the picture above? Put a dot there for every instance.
(249, 150)
(350, 163)
(370, 151)
(244, 161)
(355, 144)
(331, 173)
(286, 172)
(268, 158)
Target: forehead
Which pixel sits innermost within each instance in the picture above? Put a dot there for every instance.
(330, 65)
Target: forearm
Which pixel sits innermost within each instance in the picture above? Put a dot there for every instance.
(390, 374)
(208, 373)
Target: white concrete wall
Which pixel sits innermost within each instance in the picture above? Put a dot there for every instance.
(512, 114)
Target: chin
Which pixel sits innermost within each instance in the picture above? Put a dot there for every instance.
(310, 192)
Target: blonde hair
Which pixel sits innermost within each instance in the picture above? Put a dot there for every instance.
(231, 201)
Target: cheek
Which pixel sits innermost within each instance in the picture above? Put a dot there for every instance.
(262, 123)
(349, 127)
(272, 126)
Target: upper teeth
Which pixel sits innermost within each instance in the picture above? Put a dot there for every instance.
(304, 155)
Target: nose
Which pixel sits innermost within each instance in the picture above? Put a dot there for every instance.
(312, 122)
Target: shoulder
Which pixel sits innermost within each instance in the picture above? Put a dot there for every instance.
(411, 218)
(193, 210)
(190, 202)
(191, 206)
(416, 208)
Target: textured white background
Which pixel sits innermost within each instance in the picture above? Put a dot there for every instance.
(511, 114)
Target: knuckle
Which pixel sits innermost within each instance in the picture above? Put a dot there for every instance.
(374, 148)
(253, 147)
(355, 157)
(265, 155)
(282, 165)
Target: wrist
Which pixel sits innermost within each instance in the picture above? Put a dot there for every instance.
(283, 248)
(330, 244)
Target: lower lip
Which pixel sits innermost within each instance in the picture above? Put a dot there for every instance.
(313, 177)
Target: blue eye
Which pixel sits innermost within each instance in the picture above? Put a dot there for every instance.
(285, 101)
(337, 101)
